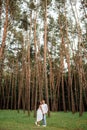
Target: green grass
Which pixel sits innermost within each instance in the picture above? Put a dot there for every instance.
(11, 120)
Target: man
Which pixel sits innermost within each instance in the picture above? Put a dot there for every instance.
(45, 110)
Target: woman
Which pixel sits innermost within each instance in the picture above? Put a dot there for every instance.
(39, 114)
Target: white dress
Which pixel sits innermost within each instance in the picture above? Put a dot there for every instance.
(39, 114)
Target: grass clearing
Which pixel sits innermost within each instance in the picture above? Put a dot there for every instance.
(12, 120)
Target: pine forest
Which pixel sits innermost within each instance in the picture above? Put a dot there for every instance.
(43, 54)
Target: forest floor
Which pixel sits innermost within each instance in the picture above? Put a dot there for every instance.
(12, 120)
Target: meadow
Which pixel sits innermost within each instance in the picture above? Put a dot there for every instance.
(12, 120)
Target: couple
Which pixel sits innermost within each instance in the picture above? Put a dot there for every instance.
(41, 113)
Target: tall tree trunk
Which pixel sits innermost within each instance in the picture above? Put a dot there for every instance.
(12, 89)
(50, 80)
(76, 91)
(45, 55)
(36, 66)
(16, 85)
(28, 79)
(40, 75)
(70, 82)
(4, 32)
(32, 90)
(62, 69)
(21, 83)
(2, 48)
(81, 86)
(8, 94)
(62, 83)
(58, 89)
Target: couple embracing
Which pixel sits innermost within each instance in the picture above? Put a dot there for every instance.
(41, 113)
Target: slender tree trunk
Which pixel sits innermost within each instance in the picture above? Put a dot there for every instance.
(14, 93)
(40, 94)
(16, 85)
(8, 94)
(45, 55)
(3, 42)
(32, 90)
(12, 89)
(70, 83)
(21, 83)
(4, 32)
(4, 87)
(61, 72)
(58, 90)
(36, 66)
(20, 91)
(80, 84)
(50, 80)
(76, 91)
(28, 79)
